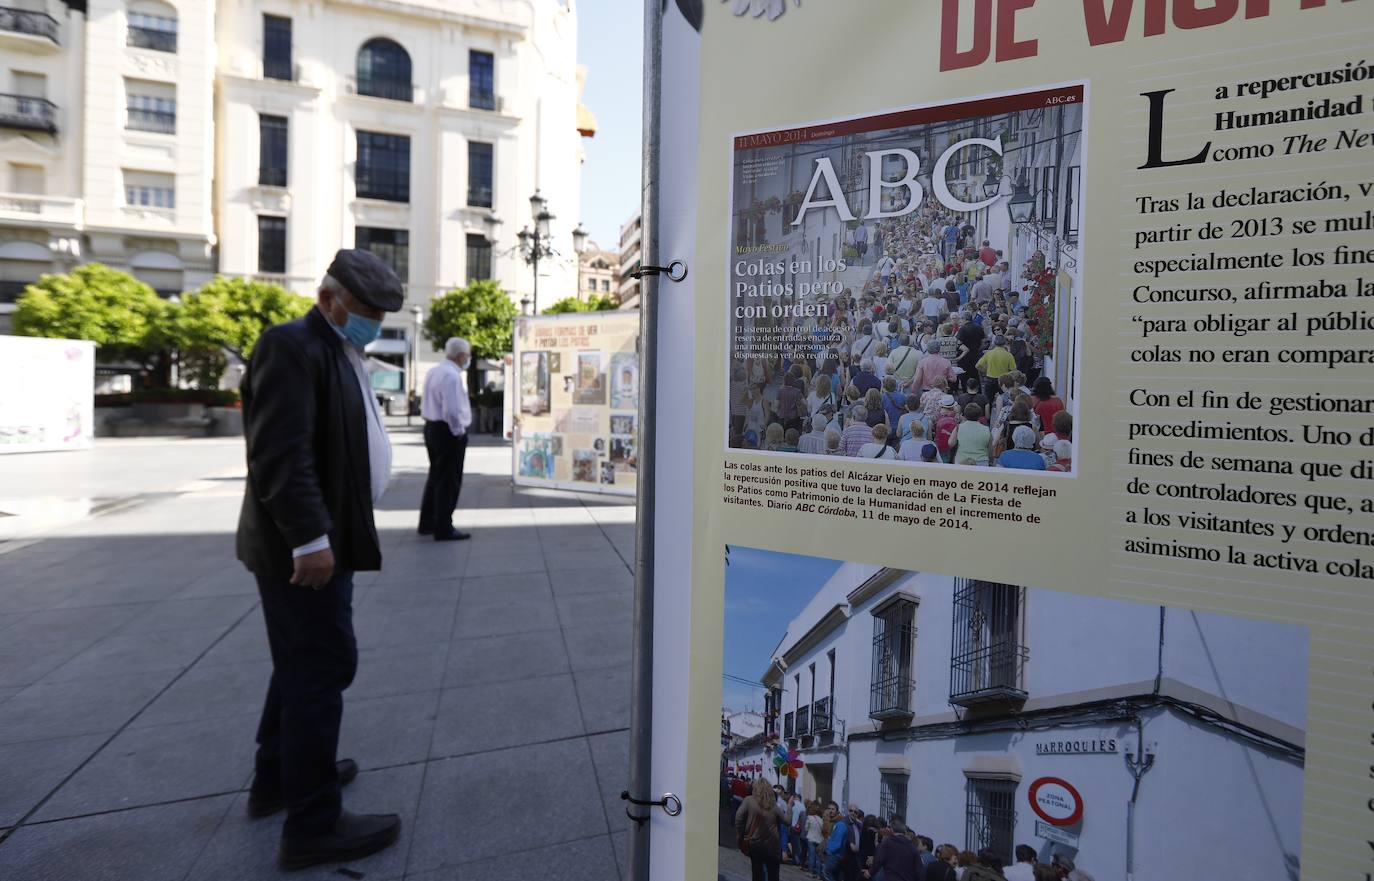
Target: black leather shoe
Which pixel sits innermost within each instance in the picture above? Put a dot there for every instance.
(424, 530)
(353, 837)
(455, 535)
(265, 804)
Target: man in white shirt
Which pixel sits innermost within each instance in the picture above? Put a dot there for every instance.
(447, 415)
(934, 305)
(1024, 867)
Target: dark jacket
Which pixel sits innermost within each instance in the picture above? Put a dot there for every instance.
(305, 423)
(898, 859)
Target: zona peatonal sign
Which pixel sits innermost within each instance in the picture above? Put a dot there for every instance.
(1056, 801)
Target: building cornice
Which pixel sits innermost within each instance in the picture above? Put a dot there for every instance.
(873, 584)
(289, 88)
(830, 621)
(436, 14)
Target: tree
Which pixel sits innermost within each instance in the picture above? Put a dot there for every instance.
(123, 316)
(228, 313)
(480, 313)
(594, 303)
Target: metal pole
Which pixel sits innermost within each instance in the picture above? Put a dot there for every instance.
(642, 672)
(535, 253)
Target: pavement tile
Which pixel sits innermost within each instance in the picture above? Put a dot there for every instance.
(594, 609)
(145, 766)
(221, 611)
(389, 595)
(30, 596)
(498, 587)
(620, 842)
(230, 580)
(244, 849)
(528, 560)
(503, 714)
(146, 589)
(604, 696)
(146, 844)
(85, 706)
(496, 617)
(425, 560)
(29, 771)
(588, 859)
(137, 653)
(503, 658)
(215, 692)
(247, 641)
(385, 731)
(602, 579)
(611, 758)
(420, 624)
(398, 670)
(468, 803)
(580, 560)
(605, 644)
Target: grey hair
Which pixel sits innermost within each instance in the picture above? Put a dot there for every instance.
(866, 365)
(818, 423)
(334, 286)
(457, 346)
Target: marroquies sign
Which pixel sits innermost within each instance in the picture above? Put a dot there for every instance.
(1075, 747)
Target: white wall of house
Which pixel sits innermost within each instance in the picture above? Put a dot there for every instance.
(1242, 817)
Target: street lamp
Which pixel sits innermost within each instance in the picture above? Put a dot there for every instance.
(1021, 205)
(524, 305)
(535, 243)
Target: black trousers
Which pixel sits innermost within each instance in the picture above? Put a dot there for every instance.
(445, 481)
(314, 658)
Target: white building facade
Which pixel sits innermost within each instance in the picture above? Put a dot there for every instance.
(970, 708)
(106, 136)
(418, 129)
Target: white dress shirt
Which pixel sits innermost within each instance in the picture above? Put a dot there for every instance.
(378, 444)
(446, 399)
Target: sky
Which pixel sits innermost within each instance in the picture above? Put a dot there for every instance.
(764, 591)
(611, 45)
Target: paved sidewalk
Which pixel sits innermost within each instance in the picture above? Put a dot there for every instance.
(490, 709)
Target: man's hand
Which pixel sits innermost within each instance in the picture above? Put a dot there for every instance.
(314, 570)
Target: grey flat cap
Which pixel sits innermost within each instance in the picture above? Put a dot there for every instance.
(368, 278)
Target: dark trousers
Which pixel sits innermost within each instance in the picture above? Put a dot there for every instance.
(445, 481)
(764, 867)
(314, 657)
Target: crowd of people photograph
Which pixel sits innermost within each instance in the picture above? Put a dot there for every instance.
(773, 827)
(937, 357)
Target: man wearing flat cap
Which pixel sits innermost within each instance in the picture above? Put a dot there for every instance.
(318, 459)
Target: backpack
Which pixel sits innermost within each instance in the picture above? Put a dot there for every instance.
(945, 427)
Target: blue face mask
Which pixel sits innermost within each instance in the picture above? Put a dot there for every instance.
(360, 331)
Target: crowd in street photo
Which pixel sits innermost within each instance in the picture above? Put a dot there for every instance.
(937, 358)
(825, 842)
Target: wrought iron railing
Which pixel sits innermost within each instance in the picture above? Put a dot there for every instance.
(990, 816)
(987, 657)
(482, 100)
(803, 720)
(21, 111)
(894, 646)
(161, 121)
(821, 722)
(27, 21)
(787, 729)
(384, 87)
(157, 39)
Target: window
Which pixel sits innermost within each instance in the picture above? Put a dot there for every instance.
(152, 31)
(479, 174)
(990, 815)
(787, 725)
(383, 170)
(481, 80)
(803, 710)
(1071, 203)
(276, 48)
(152, 107)
(384, 70)
(892, 795)
(392, 245)
(591, 284)
(272, 244)
(987, 657)
(272, 150)
(479, 258)
(144, 189)
(606, 285)
(1049, 196)
(894, 644)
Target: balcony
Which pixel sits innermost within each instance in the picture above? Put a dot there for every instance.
(485, 101)
(821, 721)
(787, 726)
(31, 114)
(159, 39)
(803, 721)
(381, 87)
(26, 29)
(988, 675)
(160, 121)
(46, 211)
